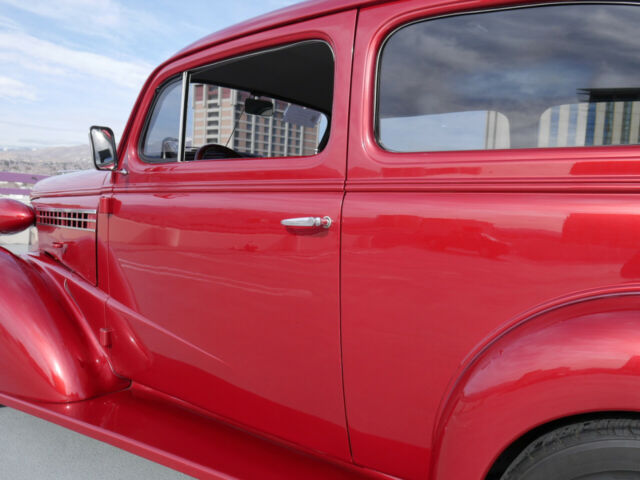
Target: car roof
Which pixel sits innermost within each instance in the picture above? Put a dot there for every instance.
(283, 16)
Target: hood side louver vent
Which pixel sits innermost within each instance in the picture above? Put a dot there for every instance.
(67, 218)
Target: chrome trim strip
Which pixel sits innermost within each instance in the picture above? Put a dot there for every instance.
(65, 226)
(65, 210)
(70, 219)
(183, 115)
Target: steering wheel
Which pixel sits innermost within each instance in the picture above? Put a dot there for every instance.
(215, 151)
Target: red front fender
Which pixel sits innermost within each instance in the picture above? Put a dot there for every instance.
(45, 353)
(573, 360)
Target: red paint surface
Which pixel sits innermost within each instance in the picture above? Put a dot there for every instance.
(15, 216)
(441, 251)
(568, 361)
(213, 300)
(83, 183)
(47, 354)
(75, 248)
(459, 300)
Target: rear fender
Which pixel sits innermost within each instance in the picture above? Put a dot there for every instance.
(45, 352)
(577, 359)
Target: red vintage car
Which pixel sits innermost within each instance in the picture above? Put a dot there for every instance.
(353, 239)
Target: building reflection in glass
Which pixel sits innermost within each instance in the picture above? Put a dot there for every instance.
(217, 117)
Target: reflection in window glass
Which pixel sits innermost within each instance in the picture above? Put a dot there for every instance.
(550, 76)
(590, 124)
(474, 130)
(161, 139)
(218, 126)
(274, 103)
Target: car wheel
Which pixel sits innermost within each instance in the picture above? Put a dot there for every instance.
(604, 449)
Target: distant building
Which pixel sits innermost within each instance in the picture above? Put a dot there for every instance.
(216, 110)
(496, 131)
(608, 117)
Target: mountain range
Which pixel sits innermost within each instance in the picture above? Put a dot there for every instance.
(45, 161)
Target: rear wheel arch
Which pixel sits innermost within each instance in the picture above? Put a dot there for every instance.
(579, 359)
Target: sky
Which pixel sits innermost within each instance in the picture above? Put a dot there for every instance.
(69, 64)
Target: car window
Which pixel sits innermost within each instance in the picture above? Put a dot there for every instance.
(161, 138)
(547, 76)
(219, 125)
(273, 103)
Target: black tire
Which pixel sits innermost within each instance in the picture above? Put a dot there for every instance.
(604, 449)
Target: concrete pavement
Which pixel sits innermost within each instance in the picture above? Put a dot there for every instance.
(33, 449)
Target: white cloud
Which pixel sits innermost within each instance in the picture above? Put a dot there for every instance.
(11, 88)
(73, 63)
(99, 18)
(60, 59)
(15, 59)
(93, 13)
(8, 23)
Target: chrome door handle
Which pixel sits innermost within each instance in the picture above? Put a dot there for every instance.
(324, 222)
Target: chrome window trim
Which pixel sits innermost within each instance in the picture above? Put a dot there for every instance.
(186, 76)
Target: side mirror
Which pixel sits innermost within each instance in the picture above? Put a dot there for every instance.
(103, 148)
(255, 106)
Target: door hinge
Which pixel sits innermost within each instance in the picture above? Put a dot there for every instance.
(105, 337)
(106, 205)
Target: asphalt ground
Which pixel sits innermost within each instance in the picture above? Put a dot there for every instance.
(34, 449)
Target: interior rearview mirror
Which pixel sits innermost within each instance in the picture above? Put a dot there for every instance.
(169, 147)
(103, 148)
(255, 106)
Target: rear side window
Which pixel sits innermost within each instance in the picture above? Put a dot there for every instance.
(549, 76)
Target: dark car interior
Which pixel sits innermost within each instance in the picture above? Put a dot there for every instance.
(300, 74)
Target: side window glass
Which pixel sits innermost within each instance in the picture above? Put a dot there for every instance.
(547, 76)
(218, 120)
(275, 103)
(590, 123)
(161, 138)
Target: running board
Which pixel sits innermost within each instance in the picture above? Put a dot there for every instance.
(147, 424)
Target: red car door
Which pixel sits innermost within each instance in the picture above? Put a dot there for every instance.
(213, 299)
(489, 156)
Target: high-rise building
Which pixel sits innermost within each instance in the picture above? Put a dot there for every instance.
(218, 117)
(609, 117)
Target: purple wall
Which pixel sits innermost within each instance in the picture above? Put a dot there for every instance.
(18, 177)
